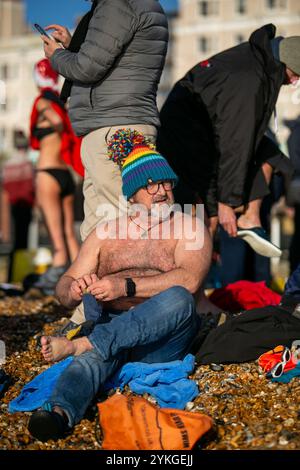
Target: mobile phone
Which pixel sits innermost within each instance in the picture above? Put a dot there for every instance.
(41, 30)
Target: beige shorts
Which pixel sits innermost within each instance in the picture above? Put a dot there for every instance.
(102, 181)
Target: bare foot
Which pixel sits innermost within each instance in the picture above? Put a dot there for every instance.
(55, 349)
(244, 222)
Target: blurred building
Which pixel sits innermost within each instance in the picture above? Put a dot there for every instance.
(198, 29)
(205, 27)
(167, 78)
(12, 18)
(20, 48)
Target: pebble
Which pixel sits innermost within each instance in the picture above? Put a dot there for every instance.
(289, 422)
(283, 441)
(189, 406)
(216, 367)
(249, 411)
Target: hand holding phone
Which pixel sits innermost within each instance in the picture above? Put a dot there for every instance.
(41, 30)
(61, 34)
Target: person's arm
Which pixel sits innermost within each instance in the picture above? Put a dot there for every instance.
(192, 259)
(80, 274)
(191, 265)
(111, 28)
(45, 109)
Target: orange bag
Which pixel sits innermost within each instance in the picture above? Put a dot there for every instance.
(133, 423)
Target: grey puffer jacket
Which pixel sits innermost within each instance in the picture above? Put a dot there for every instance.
(116, 72)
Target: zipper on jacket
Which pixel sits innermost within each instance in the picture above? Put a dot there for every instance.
(91, 99)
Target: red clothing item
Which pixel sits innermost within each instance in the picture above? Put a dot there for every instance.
(268, 360)
(70, 143)
(244, 295)
(18, 181)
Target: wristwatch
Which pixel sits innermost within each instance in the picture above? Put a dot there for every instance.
(130, 287)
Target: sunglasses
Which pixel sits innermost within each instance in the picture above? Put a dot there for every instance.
(278, 369)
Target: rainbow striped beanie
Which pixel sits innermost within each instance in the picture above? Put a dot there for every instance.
(139, 162)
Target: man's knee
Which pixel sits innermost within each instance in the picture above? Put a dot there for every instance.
(180, 297)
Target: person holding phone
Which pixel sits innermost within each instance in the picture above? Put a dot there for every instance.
(61, 34)
(41, 30)
(112, 66)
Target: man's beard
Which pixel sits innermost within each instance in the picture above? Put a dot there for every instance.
(161, 211)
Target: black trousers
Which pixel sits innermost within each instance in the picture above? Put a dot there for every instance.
(21, 215)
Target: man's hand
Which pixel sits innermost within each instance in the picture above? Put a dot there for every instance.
(50, 46)
(108, 289)
(79, 286)
(61, 34)
(227, 219)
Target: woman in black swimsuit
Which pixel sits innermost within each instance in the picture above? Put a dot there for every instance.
(55, 186)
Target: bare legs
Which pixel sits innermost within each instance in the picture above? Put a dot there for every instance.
(58, 214)
(69, 232)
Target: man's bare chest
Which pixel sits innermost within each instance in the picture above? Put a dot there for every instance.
(144, 255)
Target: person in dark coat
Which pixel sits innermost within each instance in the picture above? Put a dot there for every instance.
(212, 131)
(293, 196)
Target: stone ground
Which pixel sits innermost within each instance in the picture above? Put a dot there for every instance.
(249, 412)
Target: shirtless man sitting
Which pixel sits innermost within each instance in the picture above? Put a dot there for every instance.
(142, 289)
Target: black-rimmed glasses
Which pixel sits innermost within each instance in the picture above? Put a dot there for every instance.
(153, 188)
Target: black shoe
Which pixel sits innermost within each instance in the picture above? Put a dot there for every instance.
(5, 382)
(30, 280)
(48, 280)
(45, 425)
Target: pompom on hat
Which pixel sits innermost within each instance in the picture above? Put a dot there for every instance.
(45, 76)
(139, 162)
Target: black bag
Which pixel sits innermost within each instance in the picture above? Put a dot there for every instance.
(245, 337)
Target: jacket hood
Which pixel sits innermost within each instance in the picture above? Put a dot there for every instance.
(260, 41)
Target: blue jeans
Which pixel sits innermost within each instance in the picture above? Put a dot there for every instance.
(160, 329)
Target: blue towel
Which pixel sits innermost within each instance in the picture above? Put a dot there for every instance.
(288, 376)
(167, 382)
(36, 392)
